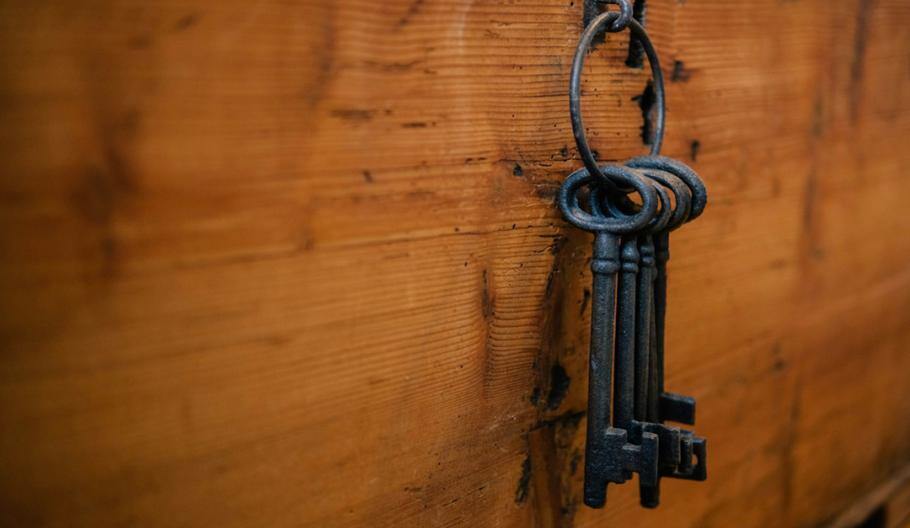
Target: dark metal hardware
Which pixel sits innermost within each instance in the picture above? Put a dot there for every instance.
(607, 20)
(629, 267)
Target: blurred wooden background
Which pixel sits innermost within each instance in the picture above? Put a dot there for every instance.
(297, 263)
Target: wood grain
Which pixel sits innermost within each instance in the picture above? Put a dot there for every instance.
(298, 264)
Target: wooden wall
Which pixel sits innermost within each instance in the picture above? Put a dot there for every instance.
(297, 263)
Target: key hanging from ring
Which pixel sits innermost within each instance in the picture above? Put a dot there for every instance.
(629, 267)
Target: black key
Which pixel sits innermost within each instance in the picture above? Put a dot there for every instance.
(609, 457)
(668, 406)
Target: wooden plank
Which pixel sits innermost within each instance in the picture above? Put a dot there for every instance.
(297, 263)
(888, 504)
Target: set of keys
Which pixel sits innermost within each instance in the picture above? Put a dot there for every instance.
(628, 407)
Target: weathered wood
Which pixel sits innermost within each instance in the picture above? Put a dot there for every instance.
(888, 505)
(297, 263)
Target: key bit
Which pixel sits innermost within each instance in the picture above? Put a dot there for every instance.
(677, 408)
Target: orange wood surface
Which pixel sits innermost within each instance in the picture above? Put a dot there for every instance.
(297, 263)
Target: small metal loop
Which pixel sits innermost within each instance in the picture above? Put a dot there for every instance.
(664, 216)
(625, 14)
(578, 128)
(681, 194)
(572, 211)
(681, 171)
(659, 223)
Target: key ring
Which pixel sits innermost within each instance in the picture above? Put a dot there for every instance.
(584, 45)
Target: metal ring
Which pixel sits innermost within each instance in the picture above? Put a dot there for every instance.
(681, 171)
(578, 128)
(682, 196)
(567, 199)
(625, 14)
(663, 216)
(666, 215)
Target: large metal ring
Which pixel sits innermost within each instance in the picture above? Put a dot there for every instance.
(567, 199)
(578, 128)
